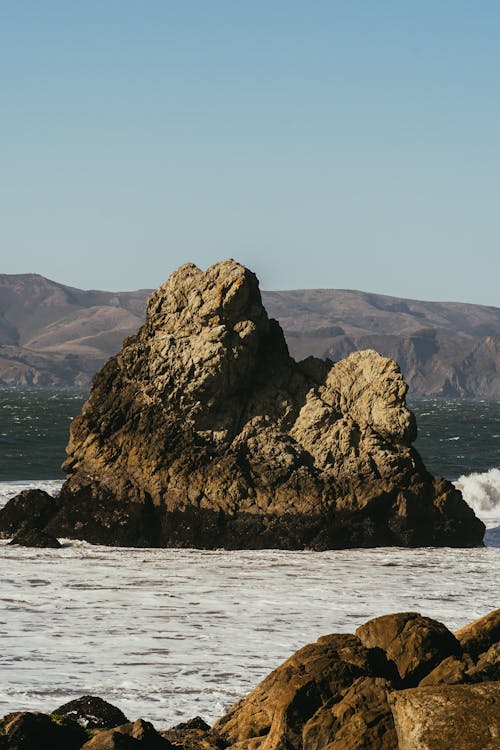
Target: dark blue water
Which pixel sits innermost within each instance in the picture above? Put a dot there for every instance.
(458, 437)
(34, 426)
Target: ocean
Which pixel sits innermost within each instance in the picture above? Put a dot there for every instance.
(170, 634)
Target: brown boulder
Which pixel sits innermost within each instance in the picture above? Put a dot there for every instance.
(415, 644)
(194, 734)
(361, 720)
(480, 662)
(479, 635)
(27, 537)
(91, 712)
(487, 667)
(451, 671)
(131, 736)
(275, 713)
(341, 693)
(31, 509)
(453, 717)
(25, 730)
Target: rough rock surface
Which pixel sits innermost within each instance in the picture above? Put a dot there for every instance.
(25, 730)
(204, 432)
(451, 671)
(27, 537)
(414, 644)
(295, 701)
(194, 734)
(338, 693)
(31, 509)
(478, 636)
(133, 735)
(361, 719)
(457, 717)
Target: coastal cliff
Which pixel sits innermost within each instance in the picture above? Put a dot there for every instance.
(204, 432)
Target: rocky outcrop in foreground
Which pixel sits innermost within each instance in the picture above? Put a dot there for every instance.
(204, 432)
(402, 682)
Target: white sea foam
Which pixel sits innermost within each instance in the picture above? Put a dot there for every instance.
(482, 492)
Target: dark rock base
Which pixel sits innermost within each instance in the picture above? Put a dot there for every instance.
(118, 524)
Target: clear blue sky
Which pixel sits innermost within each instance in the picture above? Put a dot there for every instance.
(324, 144)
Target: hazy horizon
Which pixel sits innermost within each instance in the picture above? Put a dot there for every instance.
(338, 147)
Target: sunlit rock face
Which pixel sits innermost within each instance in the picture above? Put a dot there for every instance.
(204, 432)
(378, 690)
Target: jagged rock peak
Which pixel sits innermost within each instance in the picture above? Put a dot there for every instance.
(225, 294)
(202, 334)
(203, 431)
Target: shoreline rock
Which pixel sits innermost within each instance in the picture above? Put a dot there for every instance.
(455, 717)
(204, 432)
(27, 537)
(367, 691)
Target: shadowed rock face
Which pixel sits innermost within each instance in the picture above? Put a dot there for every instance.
(90, 712)
(206, 433)
(413, 644)
(35, 538)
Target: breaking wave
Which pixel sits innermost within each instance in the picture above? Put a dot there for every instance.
(482, 492)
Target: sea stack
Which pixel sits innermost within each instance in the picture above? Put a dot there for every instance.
(204, 432)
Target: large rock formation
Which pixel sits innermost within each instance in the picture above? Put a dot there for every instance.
(204, 432)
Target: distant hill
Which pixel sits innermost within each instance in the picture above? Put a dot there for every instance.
(443, 348)
(51, 334)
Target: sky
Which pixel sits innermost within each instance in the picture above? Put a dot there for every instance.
(323, 144)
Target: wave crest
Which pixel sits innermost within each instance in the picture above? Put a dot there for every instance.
(482, 492)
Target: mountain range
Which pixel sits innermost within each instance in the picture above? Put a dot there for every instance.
(57, 335)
